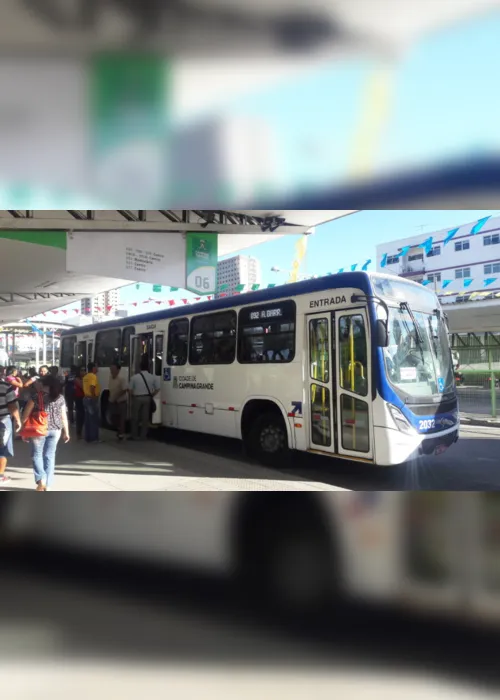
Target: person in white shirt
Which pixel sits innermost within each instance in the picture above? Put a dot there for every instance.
(143, 387)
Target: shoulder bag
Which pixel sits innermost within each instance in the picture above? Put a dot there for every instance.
(37, 424)
(152, 403)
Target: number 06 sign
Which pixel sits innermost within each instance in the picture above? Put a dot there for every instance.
(201, 263)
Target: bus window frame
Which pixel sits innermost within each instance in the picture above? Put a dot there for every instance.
(267, 305)
(227, 312)
(74, 340)
(169, 337)
(95, 349)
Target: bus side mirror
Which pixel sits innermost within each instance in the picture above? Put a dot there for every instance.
(382, 334)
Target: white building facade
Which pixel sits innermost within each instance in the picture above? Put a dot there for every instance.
(104, 304)
(465, 273)
(446, 267)
(238, 270)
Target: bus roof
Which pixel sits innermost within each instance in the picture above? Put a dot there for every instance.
(356, 280)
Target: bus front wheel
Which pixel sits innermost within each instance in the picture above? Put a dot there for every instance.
(267, 440)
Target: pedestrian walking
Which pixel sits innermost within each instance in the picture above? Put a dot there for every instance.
(79, 408)
(143, 388)
(10, 423)
(91, 392)
(14, 379)
(48, 401)
(118, 399)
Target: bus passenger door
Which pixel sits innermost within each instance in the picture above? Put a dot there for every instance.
(353, 384)
(321, 399)
(157, 371)
(140, 345)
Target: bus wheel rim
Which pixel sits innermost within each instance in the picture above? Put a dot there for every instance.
(271, 439)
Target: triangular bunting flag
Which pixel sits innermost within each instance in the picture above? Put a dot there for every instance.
(477, 227)
(427, 245)
(489, 281)
(450, 235)
(383, 262)
(446, 283)
(468, 282)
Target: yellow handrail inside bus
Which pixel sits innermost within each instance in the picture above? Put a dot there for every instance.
(360, 364)
(352, 366)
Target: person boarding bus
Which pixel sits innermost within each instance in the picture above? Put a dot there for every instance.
(143, 388)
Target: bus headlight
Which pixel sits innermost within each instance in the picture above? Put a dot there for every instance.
(401, 422)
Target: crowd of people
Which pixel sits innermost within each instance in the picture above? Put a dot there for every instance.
(40, 406)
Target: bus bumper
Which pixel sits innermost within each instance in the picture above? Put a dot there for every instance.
(439, 444)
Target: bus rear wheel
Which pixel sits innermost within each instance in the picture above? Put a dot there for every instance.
(267, 440)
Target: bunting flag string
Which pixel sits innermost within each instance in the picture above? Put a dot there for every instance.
(428, 243)
(223, 292)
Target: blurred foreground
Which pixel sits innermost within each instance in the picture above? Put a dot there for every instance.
(83, 626)
(222, 104)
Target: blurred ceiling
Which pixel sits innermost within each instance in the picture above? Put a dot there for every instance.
(194, 27)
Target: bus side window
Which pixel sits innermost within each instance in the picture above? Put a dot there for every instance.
(67, 351)
(177, 347)
(213, 339)
(107, 347)
(269, 340)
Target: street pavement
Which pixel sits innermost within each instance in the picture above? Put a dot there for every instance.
(150, 466)
(186, 461)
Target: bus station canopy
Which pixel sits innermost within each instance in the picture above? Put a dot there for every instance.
(34, 275)
(473, 317)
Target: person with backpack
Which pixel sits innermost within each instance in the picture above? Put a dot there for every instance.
(44, 421)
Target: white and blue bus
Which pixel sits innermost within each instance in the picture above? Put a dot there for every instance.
(356, 366)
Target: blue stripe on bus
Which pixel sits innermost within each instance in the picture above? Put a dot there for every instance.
(354, 280)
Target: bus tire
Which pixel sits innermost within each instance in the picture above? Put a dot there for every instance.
(267, 440)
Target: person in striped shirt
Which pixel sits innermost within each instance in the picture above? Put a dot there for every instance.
(10, 422)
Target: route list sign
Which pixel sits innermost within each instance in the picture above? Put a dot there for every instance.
(201, 263)
(156, 258)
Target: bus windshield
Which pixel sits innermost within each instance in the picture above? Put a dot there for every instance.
(418, 358)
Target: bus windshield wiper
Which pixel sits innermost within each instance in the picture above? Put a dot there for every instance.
(418, 336)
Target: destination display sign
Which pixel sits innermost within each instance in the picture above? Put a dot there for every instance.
(281, 311)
